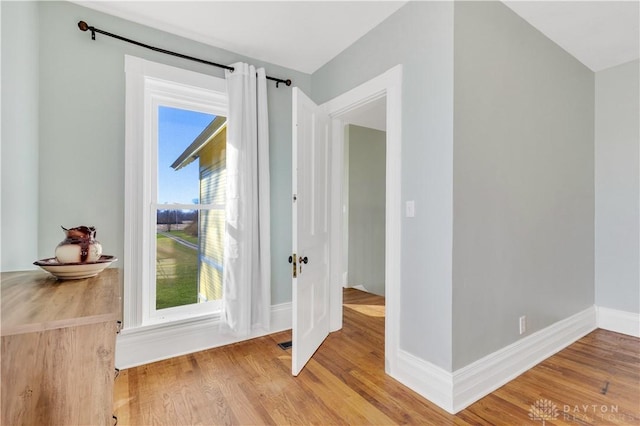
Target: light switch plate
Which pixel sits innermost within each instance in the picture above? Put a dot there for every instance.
(411, 208)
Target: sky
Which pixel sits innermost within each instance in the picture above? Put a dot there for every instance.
(177, 128)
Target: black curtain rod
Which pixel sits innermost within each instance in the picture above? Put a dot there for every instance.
(84, 27)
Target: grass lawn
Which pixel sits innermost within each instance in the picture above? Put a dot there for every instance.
(176, 273)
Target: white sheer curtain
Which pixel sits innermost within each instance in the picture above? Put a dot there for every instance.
(247, 264)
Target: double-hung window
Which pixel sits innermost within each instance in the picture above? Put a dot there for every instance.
(175, 182)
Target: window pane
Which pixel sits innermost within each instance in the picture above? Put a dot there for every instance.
(191, 170)
(176, 258)
(178, 180)
(177, 253)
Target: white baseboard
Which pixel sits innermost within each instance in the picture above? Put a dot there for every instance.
(142, 346)
(619, 321)
(482, 377)
(432, 382)
(455, 391)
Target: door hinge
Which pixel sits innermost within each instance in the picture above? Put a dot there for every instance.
(293, 260)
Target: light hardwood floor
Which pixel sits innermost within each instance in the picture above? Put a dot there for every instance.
(250, 383)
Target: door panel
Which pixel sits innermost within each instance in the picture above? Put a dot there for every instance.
(310, 294)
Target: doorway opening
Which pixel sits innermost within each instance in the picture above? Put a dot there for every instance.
(382, 94)
(364, 211)
(364, 197)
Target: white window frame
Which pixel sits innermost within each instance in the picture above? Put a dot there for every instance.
(148, 86)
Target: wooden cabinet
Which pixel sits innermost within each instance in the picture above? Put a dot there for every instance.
(58, 348)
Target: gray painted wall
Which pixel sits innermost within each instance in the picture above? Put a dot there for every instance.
(420, 37)
(617, 188)
(81, 149)
(19, 136)
(523, 178)
(367, 180)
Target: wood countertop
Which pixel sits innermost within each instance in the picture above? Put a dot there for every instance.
(37, 301)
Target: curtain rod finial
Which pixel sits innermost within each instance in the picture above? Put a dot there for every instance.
(288, 82)
(84, 27)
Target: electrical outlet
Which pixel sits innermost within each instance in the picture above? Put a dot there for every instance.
(523, 324)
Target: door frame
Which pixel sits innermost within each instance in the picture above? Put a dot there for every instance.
(389, 85)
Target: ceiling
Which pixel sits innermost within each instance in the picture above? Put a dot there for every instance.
(304, 35)
(600, 34)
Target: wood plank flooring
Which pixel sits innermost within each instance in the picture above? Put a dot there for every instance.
(250, 383)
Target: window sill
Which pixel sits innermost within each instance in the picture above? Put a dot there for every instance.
(176, 323)
(155, 342)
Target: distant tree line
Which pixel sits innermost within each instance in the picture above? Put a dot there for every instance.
(176, 217)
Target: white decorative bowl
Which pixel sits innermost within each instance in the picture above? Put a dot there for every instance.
(75, 271)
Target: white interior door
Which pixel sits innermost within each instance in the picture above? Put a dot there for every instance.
(310, 294)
